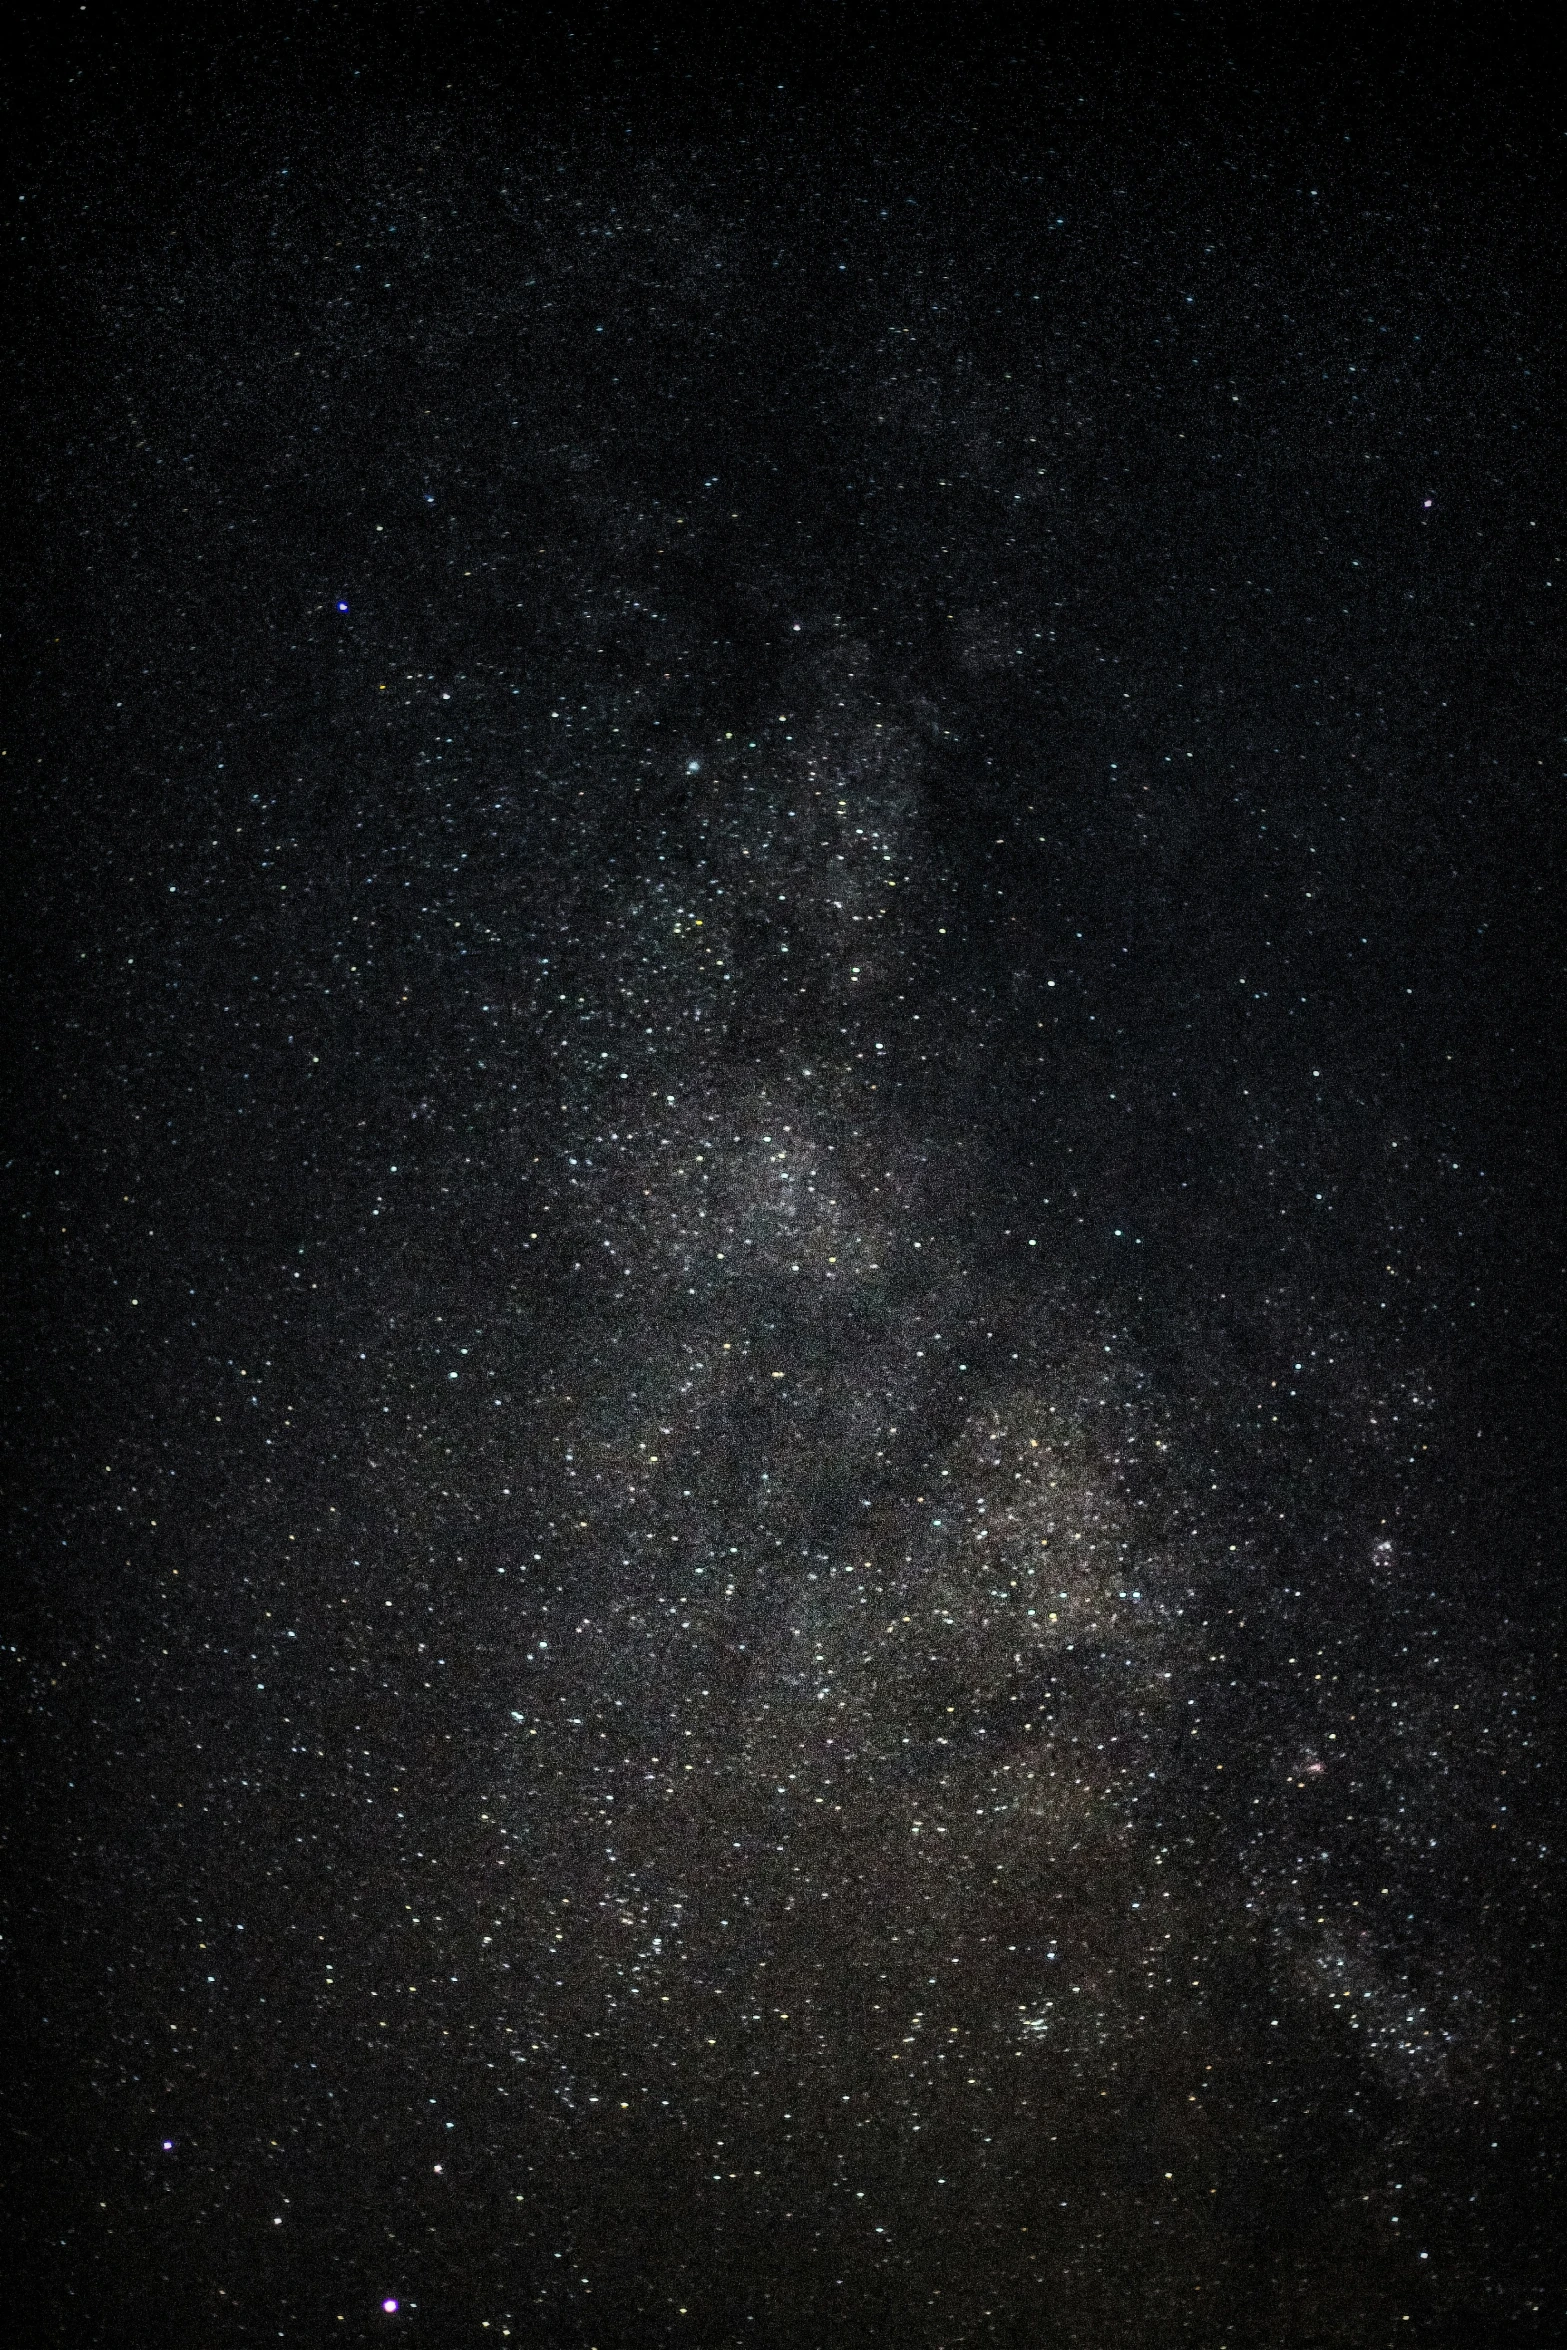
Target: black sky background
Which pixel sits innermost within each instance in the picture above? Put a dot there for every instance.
(1040, 539)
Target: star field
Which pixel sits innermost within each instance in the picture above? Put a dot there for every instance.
(785, 1494)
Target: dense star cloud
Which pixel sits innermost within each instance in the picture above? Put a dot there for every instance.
(785, 1530)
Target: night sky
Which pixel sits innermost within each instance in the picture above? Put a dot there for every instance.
(784, 1172)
